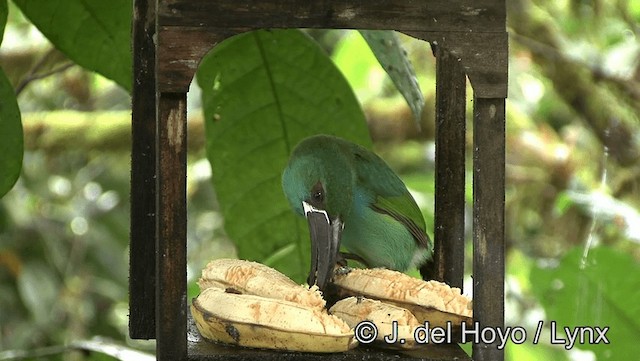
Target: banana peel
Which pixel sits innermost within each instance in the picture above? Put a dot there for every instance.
(430, 301)
(260, 322)
(248, 304)
(354, 310)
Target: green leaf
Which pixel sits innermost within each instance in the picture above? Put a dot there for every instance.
(387, 49)
(11, 139)
(4, 12)
(604, 292)
(262, 93)
(634, 9)
(93, 33)
(563, 203)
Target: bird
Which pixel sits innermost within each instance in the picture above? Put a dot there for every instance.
(351, 197)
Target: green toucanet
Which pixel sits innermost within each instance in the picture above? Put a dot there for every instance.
(350, 196)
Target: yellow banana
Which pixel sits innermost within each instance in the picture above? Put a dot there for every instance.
(249, 304)
(252, 305)
(431, 301)
(257, 279)
(354, 310)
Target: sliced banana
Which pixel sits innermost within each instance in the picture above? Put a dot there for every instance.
(354, 310)
(257, 279)
(249, 304)
(431, 301)
(259, 322)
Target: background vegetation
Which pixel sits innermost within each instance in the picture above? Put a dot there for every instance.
(573, 165)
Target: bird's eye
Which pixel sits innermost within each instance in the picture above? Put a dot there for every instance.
(317, 194)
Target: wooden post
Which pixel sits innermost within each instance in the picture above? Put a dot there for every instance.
(171, 258)
(450, 168)
(142, 261)
(488, 220)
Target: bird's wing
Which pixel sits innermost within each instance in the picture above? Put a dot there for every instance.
(390, 194)
(405, 210)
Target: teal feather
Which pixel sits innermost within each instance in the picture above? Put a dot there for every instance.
(382, 222)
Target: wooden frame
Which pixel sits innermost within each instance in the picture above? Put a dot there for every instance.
(169, 39)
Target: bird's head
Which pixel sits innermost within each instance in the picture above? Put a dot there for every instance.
(318, 182)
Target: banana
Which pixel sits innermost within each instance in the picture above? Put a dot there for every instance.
(354, 310)
(248, 304)
(257, 279)
(431, 301)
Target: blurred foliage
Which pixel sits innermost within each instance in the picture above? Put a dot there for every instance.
(64, 230)
(386, 46)
(593, 289)
(573, 177)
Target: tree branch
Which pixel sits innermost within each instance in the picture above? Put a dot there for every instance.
(34, 73)
(612, 120)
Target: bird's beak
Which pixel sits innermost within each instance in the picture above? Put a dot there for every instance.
(325, 244)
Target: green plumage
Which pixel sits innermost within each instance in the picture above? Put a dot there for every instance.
(382, 222)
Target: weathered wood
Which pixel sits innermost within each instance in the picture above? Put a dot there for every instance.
(142, 262)
(473, 30)
(180, 51)
(484, 56)
(450, 168)
(171, 267)
(488, 220)
(434, 15)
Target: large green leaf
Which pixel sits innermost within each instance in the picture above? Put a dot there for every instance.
(387, 49)
(11, 141)
(4, 12)
(604, 292)
(263, 92)
(93, 33)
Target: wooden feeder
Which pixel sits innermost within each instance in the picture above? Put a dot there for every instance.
(169, 39)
